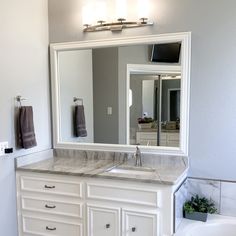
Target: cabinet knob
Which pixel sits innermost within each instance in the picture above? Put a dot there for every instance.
(133, 229)
(108, 226)
(51, 229)
(49, 187)
(50, 207)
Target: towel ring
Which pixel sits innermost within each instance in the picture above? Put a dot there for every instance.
(75, 100)
(19, 99)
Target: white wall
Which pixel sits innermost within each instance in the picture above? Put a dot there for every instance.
(212, 149)
(148, 97)
(76, 80)
(23, 71)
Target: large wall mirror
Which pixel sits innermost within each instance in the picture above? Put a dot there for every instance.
(112, 95)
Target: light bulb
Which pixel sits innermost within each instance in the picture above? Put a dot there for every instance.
(101, 11)
(87, 15)
(121, 9)
(143, 9)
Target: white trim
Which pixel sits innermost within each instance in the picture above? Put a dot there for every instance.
(184, 38)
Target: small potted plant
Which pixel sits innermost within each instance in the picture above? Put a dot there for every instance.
(198, 208)
(145, 123)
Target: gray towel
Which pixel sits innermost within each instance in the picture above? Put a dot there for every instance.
(26, 134)
(79, 122)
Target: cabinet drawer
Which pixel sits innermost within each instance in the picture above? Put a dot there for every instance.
(121, 194)
(148, 135)
(51, 186)
(45, 227)
(173, 137)
(163, 136)
(173, 144)
(52, 207)
(163, 143)
(148, 142)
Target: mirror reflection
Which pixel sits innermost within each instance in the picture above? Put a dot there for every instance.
(155, 109)
(93, 98)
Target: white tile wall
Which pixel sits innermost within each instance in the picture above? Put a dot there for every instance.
(228, 199)
(205, 188)
(223, 193)
(180, 198)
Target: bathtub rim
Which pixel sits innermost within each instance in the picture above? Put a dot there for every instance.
(187, 225)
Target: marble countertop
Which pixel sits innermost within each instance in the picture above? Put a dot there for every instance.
(163, 169)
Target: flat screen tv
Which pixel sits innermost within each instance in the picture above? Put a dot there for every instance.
(166, 52)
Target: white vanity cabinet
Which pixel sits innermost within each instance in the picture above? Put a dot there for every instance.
(168, 139)
(62, 205)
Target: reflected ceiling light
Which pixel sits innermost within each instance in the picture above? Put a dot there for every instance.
(143, 9)
(99, 11)
(171, 77)
(121, 10)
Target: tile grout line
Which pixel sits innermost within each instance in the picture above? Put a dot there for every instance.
(220, 197)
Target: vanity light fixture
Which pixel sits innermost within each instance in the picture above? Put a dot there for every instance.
(89, 12)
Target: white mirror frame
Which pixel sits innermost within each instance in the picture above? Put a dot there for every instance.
(184, 68)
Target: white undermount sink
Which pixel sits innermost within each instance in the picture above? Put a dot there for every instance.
(133, 171)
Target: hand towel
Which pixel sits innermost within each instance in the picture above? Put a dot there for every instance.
(79, 122)
(26, 134)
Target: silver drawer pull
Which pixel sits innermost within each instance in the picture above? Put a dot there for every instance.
(133, 229)
(108, 226)
(51, 229)
(49, 187)
(50, 207)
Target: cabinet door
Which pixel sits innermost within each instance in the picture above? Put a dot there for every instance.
(103, 221)
(173, 140)
(139, 224)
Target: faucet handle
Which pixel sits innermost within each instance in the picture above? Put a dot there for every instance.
(138, 151)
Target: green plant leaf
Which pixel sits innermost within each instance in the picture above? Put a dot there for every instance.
(200, 204)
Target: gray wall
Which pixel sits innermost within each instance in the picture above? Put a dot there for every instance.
(212, 147)
(137, 54)
(167, 84)
(105, 91)
(23, 71)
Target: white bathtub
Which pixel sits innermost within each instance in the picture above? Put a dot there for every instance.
(215, 226)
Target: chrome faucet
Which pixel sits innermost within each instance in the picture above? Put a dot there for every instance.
(138, 157)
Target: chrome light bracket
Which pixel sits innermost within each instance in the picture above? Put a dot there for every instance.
(117, 26)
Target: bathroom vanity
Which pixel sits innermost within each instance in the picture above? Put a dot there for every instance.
(98, 194)
(101, 192)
